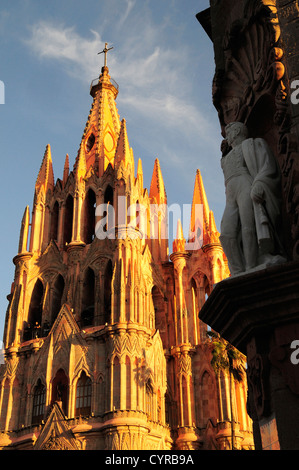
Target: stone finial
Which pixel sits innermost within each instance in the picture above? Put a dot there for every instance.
(45, 177)
(179, 243)
(157, 189)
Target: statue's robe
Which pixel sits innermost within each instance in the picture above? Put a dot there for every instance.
(264, 170)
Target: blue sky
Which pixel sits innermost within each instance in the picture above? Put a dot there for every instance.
(163, 62)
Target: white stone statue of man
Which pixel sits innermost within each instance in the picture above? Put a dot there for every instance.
(250, 224)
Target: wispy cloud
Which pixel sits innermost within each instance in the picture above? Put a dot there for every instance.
(140, 63)
(130, 6)
(171, 112)
(61, 43)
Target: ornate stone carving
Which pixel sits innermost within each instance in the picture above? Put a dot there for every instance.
(56, 433)
(132, 345)
(185, 364)
(55, 443)
(258, 377)
(251, 86)
(252, 64)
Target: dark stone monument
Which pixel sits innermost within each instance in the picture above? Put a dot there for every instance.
(257, 71)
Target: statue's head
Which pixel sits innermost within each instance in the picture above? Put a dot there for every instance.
(236, 131)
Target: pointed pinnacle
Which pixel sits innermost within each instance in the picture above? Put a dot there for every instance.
(66, 170)
(24, 231)
(80, 170)
(123, 151)
(45, 176)
(200, 197)
(157, 189)
(179, 243)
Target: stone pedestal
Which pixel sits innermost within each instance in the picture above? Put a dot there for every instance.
(259, 314)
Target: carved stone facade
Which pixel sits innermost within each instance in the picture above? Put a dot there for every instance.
(103, 345)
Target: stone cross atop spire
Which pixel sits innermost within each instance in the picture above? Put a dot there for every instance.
(105, 51)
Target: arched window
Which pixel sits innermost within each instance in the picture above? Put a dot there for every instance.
(108, 196)
(195, 331)
(54, 222)
(108, 199)
(137, 215)
(207, 288)
(107, 292)
(170, 411)
(60, 387)
(101, 396)
(149, 393)
(194, 294)
(58, 289)
(83, 396)
(39, 401)
(88, 297)
(68, 220)
(35, 312)
(90, 142)
(89, 216)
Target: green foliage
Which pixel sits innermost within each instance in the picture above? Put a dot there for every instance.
(225, 357)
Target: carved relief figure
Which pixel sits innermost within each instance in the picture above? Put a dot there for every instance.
(250, 225)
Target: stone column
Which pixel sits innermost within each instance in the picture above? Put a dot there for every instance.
(60, 224)
(78, 202)
(179, 260)
(37, 227)
(188, 438)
